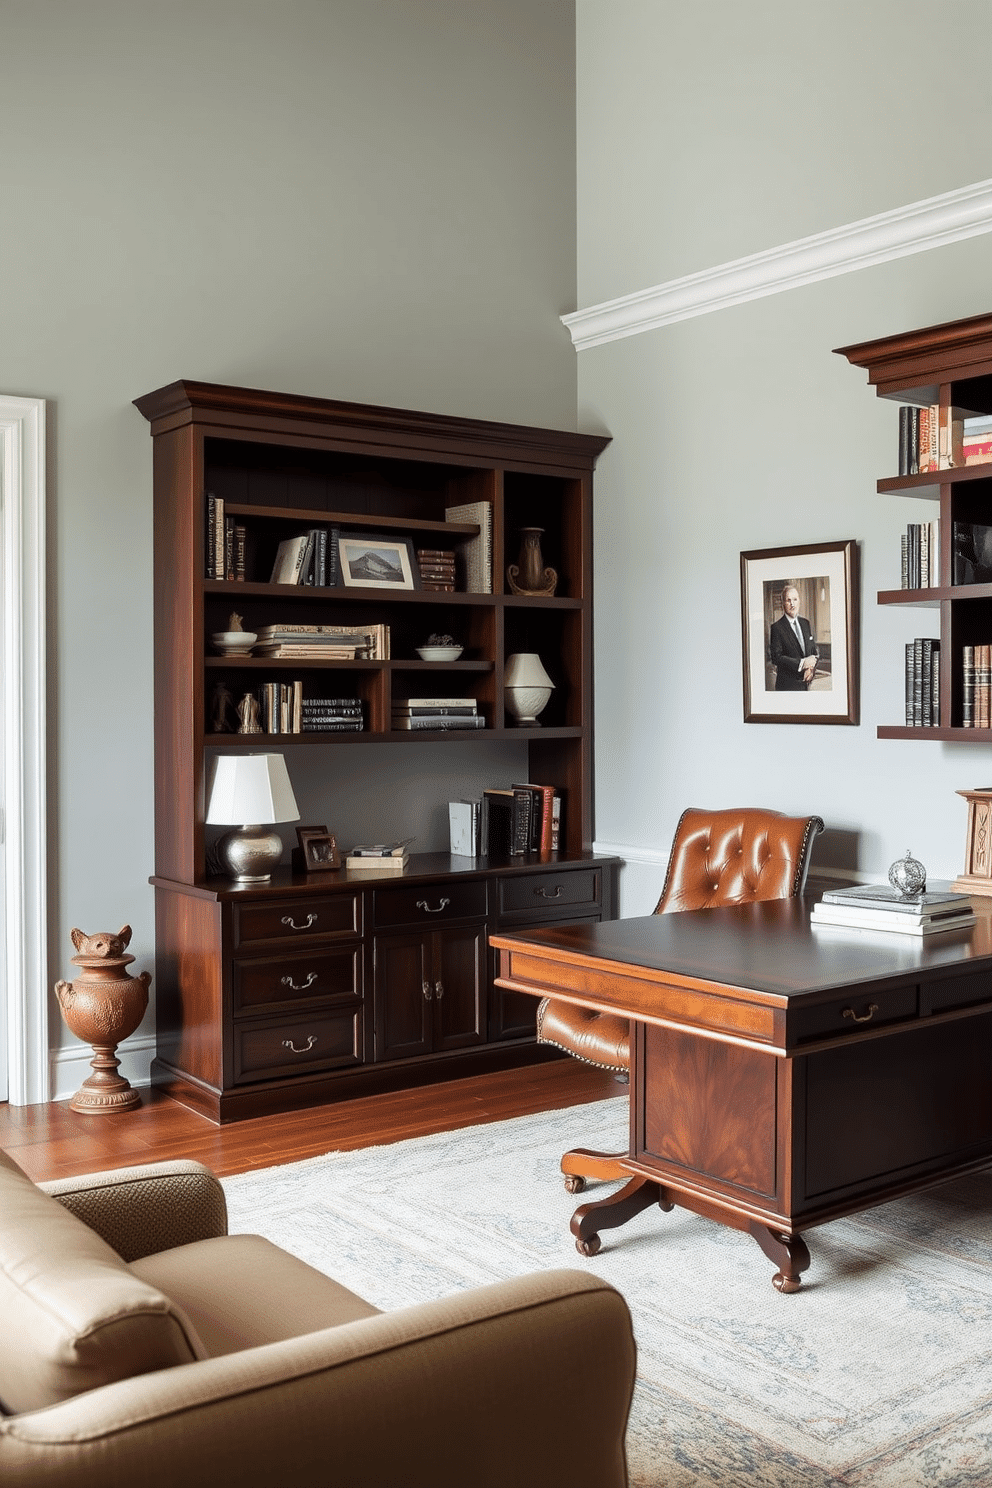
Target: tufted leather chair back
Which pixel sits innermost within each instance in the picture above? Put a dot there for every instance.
(735, 857)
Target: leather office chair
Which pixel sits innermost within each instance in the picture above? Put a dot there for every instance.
(718, 858)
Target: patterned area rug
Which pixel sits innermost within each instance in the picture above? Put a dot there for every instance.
(877, 1374)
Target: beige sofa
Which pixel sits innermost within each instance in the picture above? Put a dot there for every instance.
(142, 1344)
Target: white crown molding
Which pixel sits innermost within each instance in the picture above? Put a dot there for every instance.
(964, 213)
(22, 624)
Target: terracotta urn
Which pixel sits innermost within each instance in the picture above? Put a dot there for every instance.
(103, 1005)
(529, 574)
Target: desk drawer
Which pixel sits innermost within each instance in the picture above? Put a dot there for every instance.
(955, 992)
(288, 921)
(429, 904)
(271, 982)
(852, 1012)
(325, 1039)
(550, 895)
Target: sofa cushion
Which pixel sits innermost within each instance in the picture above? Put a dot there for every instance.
(72, 1314)
(240, 1291)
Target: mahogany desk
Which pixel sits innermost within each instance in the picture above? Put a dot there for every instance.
(782, 1075)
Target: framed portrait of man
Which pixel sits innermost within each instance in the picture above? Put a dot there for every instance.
(799, 615)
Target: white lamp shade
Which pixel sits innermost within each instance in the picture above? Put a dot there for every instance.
(524, 669)
(251, 788)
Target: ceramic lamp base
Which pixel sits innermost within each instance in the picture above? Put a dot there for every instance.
(249, 854)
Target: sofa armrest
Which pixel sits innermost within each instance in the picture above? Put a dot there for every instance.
(527, 1382)
(145, 1209)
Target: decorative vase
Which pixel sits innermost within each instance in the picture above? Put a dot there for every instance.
(103, 1005)
(529, 575)
(908, 876)
(526, 688)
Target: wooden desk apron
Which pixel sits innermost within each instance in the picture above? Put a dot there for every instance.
(783, 1074)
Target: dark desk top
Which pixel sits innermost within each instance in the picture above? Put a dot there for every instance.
(768, 948)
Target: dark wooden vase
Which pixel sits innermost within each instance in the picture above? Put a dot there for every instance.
(103, 1005)
(529, 574)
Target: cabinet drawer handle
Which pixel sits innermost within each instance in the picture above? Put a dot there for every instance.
(287, 981)
(427, 991)
(288, 920)
(422, 904)
(288, 1044)
(865, 1017)
(438, 991)
(547, 894)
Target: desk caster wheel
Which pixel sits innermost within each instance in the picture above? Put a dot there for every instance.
(575, 1183)
(589, 1247)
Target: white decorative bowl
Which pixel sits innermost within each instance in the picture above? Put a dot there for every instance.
(439, 653)
(234, 642)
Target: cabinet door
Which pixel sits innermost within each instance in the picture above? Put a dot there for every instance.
(404, 996)
(459, 986)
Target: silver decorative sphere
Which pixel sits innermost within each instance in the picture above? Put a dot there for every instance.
(908, 876)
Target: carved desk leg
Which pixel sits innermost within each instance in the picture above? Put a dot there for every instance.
(608, 1214)
(789, 1253)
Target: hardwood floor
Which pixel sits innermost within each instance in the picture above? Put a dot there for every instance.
(50, 1141)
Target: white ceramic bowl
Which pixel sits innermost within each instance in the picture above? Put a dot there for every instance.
(439, 653)
(234, 642)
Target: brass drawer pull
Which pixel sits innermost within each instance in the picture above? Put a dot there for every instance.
(547, 894)
(865, 1017)
(287, 981)
(288, 1044)
(422, 904)
(288, 920)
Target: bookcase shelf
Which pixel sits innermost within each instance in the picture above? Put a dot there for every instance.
(949, 366)
(283, 466)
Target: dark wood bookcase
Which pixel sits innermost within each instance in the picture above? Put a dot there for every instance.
(310, 989)
(949, 365)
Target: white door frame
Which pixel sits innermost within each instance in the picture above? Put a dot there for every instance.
(24, 974)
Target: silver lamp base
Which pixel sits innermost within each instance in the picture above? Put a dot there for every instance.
(249, 854)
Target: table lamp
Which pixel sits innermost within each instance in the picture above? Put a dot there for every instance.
(526, 686)
(250, 792)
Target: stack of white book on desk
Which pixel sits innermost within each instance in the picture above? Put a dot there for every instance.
(879, 907)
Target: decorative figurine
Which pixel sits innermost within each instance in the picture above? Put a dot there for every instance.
(908, 876)
(529, 575)
(248, 713)
(222, 710)
(103, 1006)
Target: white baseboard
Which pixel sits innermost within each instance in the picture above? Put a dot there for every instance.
(69, 1067)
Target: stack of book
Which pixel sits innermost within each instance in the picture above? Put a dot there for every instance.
(880, 907)
(425, 713)
(476, 553)
(437, 569)
(976, 686)
(323, 642)
(224, 549)
(331, 715)
(519, 819)
(310, 557)
(379, 859)
(922, 682)
(921, 555)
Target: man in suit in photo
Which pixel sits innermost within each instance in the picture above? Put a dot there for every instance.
(793, 650)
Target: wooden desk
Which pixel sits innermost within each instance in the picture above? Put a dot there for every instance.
(782, 1075)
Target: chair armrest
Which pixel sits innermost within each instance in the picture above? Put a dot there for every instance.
(145, 1209)
(527, 1382)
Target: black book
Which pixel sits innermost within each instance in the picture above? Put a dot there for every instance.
(904, 414)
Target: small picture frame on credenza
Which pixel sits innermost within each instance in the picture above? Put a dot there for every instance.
(318, 850)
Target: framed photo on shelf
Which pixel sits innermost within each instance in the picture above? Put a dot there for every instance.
(319, 849)
(799, 613)
(372, 561)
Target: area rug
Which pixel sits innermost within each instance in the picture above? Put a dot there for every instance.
(877, 1374)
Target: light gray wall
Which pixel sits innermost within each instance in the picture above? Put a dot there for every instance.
(706, 133)
(362, 199)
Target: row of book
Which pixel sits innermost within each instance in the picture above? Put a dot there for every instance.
(323, 642)
(437, 570)
(942, 438)
(424, 714)
(976, 687)
(881, 907)
(311, 557)
(506, 821)
(283, 709)
(923, 682)
(225, 543)
(920, 551)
